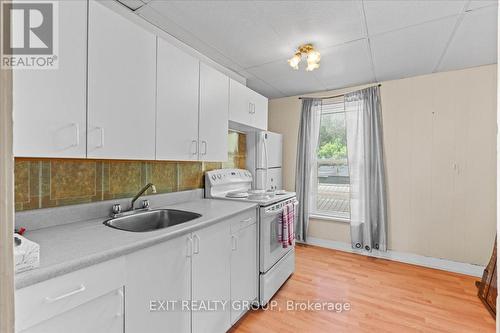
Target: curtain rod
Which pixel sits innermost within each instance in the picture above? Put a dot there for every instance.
(328, 97)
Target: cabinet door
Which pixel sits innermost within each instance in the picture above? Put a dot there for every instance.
(121, 87)
(104, 314)
(240, 107)
(214, 113)
(49, 105)
(210, 277)
(177, 108)
(159, 273)
(260, 111)
(244, 270)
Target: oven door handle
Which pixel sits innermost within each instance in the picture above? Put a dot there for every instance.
(270, 212)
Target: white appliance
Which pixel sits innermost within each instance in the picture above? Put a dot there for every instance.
(276, 263)
(265, 158)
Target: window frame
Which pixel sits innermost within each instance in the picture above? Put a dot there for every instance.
(313, 211)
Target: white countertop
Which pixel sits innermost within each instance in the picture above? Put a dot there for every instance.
(69, 247)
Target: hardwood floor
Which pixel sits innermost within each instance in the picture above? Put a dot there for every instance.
(384, 296)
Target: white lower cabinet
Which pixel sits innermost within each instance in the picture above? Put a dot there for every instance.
(244, 266)
(103, 314)
(211, 278)
(87, 300)
(183, 285)
(159, 274)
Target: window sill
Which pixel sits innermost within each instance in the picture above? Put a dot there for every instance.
(328, 218)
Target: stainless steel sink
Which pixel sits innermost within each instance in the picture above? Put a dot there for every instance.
(151, 220)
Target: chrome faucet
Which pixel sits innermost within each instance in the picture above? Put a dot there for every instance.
(141, 192)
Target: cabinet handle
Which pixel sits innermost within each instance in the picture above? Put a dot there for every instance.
(234, 243)
(204, 145)
(101, 144)
(77, 133)
(247, 220)
(195, 143)
(189, 246)
(196, 244)
(71, 293)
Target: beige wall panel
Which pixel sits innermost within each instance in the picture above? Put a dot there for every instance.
(439, 138)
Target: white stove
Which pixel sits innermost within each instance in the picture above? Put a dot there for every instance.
(236, 184)
(276, 263)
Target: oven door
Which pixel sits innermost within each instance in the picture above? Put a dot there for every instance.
(271, 250)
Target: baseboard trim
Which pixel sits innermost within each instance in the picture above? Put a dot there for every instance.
(409, 258)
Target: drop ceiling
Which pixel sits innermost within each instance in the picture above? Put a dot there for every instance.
(360, 41)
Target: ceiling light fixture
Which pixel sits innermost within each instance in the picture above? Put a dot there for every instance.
(313, 57)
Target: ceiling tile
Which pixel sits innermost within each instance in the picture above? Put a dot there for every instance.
(345, 65)
(388, 15)
(411, 51)
(307, 84)
(186, 37)
(475, 4)
(234, 28)
(255, 38)
(263, 88)
(323, 23)
(280, 70)
(475, 41)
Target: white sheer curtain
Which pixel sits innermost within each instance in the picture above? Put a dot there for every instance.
(305, 177)
(366, 169)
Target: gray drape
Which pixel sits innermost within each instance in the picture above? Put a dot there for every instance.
(306, 151)
(368, 201)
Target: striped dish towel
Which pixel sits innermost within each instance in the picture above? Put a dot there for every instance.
(286, 232)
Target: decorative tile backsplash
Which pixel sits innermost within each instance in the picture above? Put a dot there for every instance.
(42, 183)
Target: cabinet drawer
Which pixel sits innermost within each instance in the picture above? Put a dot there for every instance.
(243, 220)
(50, 298)
(103, 314)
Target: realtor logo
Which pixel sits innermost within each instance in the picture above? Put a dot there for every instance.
(29, 34)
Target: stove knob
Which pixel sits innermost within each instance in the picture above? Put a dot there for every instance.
(213, 177)
(219, 176)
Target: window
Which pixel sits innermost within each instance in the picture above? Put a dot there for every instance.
(331, 191)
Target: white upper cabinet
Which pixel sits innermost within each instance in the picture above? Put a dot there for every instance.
(260, 105)
(177, 105)
(49, 105)
(214, 110)
(121, 87)
(246, 107)
(240, 108)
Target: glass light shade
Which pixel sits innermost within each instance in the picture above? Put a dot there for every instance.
(313, 57)
(311, 66)
(294, 61)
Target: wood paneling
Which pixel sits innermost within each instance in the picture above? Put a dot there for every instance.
(384, 296)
